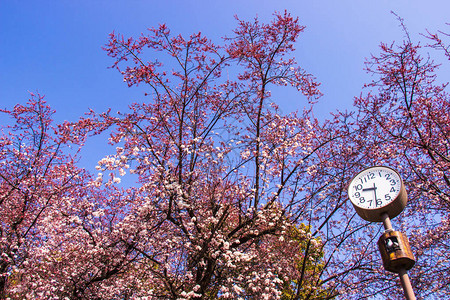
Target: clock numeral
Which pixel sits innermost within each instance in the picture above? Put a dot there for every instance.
(357, 194)
(379, 203)
(387, 197)
(388, 176)
(367, 177)
(362, 200)
(392, 182)
(358, 187)
(392, 190)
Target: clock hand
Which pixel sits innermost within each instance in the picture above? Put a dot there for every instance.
(375, 194)
(374, 189)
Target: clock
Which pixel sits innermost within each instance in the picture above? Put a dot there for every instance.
(375, 191)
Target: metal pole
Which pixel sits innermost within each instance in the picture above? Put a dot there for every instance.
(386, 222)
(404, 278)
(406, 284)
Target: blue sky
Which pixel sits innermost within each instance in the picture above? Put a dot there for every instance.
(54, 47)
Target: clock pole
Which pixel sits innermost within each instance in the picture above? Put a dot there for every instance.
(378, 194)
(402, 274)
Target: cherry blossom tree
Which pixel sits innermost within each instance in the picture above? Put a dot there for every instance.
(232, 199)
(218, 166)
(217, 210)
(35, 176)
(404, 121)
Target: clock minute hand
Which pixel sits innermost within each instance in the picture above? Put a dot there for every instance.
(375, 194)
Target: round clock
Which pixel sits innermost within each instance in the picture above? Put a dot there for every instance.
(375, 191)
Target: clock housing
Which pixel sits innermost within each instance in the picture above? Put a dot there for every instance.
(375, 191)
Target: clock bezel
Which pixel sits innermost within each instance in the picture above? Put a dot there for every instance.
(393, 208)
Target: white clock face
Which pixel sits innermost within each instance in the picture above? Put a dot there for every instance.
(374, 187)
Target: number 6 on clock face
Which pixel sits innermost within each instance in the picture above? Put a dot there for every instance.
(375, 191)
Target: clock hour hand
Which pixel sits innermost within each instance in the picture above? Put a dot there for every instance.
(374, 188)
(369, 189)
